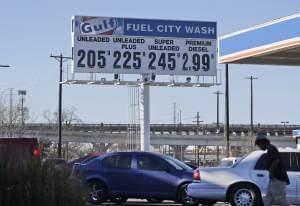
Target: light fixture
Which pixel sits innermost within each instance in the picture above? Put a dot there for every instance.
(72, 82)
(116, 77)
(117, 83)
(188, 79)
(153, 76)
(172, 83)
(197, 85)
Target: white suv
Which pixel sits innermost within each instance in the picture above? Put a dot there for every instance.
(245, 183)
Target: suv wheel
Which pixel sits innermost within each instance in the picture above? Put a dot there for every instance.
(244, 195)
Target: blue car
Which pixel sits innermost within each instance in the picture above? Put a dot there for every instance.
(118, 176)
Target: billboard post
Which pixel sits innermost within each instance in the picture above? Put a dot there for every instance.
(145, 116)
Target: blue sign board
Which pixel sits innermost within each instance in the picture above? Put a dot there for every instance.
(141, 46)
(147, 27)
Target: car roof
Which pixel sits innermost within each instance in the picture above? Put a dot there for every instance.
(288, 149)
(133, 153)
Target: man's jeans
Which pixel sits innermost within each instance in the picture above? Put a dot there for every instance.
(276, 193)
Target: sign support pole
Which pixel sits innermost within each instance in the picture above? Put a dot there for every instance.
(226, 129)
(145, 116)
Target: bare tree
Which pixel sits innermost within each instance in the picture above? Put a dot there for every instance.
(69, 116)
(11, 118)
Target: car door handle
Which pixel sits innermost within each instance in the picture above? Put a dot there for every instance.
(260, 175)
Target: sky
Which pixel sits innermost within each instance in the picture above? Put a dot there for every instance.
(32, 30)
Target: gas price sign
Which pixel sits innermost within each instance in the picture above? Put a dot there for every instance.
(141, 46)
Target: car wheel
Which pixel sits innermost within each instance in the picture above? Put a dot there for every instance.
(182, 194)
(153, 200)
(188, 201)
(119, 200)
(96, 192)
(244, 195)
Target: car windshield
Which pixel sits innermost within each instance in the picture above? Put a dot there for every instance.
(88, 159)
(177, 164)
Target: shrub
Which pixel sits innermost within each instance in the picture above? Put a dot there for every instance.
(28, 183)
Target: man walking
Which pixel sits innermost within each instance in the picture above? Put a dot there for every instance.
(276, 191)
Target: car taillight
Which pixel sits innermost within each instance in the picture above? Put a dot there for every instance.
(37, 152)
(196, 175)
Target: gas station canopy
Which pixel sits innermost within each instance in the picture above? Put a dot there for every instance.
(273, 43)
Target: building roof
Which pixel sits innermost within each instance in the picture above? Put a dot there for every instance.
(273, 43)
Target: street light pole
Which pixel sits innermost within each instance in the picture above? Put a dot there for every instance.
(284, 124)
(61, 59)
(251, 78)
(218, 93)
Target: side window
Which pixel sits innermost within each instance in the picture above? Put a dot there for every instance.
(262, 163)
(298, 161)
(117, 162)
(146, 162)
(286, 160)
(295, 161)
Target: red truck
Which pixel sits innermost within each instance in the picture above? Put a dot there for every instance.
(19, 148)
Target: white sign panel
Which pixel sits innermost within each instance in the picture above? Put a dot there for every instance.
(142, 46)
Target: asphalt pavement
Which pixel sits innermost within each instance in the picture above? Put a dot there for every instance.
(135, 202)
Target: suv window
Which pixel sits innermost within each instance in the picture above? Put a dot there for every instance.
(117, 161)
(146, 162)
(262, 163)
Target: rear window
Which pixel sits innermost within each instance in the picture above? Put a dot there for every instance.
(117, 162)
(177, 164)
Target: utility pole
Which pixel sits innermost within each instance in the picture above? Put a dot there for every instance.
(10, 111)
(251, 78)
(22, 93)
(218, 93)
(174, 113)
(179, 118)
(61, 59)
(198, 148)
(198, 121)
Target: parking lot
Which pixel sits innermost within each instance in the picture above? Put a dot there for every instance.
(135, 202)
